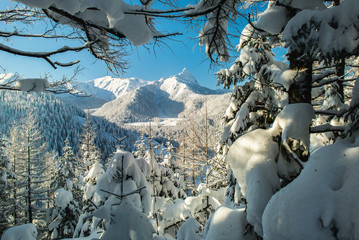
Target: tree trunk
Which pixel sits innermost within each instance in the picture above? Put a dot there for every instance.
(301, 89)
(29, 180)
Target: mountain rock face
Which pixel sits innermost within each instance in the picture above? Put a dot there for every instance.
(136, 100)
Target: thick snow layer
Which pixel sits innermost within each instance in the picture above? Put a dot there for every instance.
(22, 232)
(257, 163)
(129, 224)
(285, 78)
(273, 20)
(63, 198)
(252, 160)
(94, 174)
(190, 230)
(330, 33)
(228, 224)
(321, 203)
(294, 121)
(108, 14)
(124, 164)
(32, 84)
(303, 4)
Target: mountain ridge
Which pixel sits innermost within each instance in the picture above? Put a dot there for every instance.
(178, 96)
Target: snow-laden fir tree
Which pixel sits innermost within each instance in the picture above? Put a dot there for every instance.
(66, 212)
(87, 223)
(5, 191)
(314, 37)
(26, 150)
(88, 151)
(124, 190)
(15, 215)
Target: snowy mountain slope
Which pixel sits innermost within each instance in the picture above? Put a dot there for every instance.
(109, 88)
(179, 96)
(58, 120)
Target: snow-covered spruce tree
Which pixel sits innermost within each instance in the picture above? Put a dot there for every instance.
(27, 151)
(305, 35)
(140, 146)
(124, 190)
(88, 151)
(15, 213)
(87, 223)
(66, 211)
(5, 191)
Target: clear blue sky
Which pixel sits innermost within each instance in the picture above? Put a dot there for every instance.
(149, 64)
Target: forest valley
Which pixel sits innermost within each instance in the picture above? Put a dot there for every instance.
(285, 166)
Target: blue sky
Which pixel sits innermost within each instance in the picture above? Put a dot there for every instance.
(149, 64)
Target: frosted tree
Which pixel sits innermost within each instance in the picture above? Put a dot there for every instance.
(88, 151)
(66, 211)
(314, 76)
(28, 165)
(87, 223)
(140, 146)
(16, 213)
(5, 191)
(123, 189)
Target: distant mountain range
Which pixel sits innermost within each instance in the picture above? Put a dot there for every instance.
(133, 100)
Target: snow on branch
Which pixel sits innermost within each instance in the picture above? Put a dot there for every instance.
(120, 196)
(330, 33)
(327, 128)
(46, 55)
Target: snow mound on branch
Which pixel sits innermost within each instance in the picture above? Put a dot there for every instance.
(26, 231)
(273, 20)
(190, 230)
(285, 78)
(63, 198)
(303, 4)
(32, 84)
(258, 164)
(129, 224)
(228, 224)
(95, 173)
(124, 164)
(294, 122)
(321, 203)
(107, 14)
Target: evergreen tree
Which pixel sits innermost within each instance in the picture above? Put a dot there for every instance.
(66, 211)
(88, 224)
(89, 153)
(27, 149)
(5, 174)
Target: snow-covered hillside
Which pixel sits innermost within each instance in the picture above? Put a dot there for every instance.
(179, 96)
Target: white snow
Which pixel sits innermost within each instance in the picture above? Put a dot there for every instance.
(285, 78)
(273, 20)
(190, 230)
(129, 224)
(107, 14)
(320, 203)
(32, 84)
(331, 32)
(303, 4)
(21, 232)
(63, 198)
(294, 121)
(110, 181)
(228, 224)
(257, 163)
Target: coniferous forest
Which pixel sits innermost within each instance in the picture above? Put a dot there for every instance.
(275, 155)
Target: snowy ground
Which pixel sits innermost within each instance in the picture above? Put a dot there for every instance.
(158, 122)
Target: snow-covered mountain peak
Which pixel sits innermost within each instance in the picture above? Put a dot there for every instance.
(185, 76)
